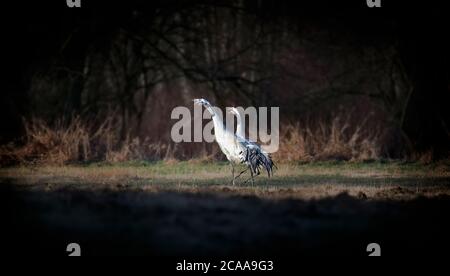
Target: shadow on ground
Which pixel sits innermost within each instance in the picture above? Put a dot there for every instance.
(108, 222)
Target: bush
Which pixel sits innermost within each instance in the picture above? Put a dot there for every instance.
(77, 141)
(335, 140)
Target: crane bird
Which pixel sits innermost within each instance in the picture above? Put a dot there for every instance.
(236, 148)
(255, 150)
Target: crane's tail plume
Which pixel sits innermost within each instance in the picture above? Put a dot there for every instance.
(259, 160)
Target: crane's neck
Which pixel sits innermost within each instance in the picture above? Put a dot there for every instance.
(219, 128)
(239, 126)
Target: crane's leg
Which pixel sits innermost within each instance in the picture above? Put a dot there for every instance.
(251, 178)
(241, 173)
(236, 177)
(232, 171)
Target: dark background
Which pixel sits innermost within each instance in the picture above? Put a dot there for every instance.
(314, 59)
(134, 61)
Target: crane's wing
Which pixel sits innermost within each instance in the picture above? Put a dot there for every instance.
(256, 157)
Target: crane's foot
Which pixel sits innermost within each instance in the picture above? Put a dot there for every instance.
(237, 176)
(251, 178)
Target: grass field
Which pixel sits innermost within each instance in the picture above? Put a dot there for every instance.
(190, 208)
(305, 181)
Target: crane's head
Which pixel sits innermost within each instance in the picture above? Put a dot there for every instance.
(203, 102)
(233, 110)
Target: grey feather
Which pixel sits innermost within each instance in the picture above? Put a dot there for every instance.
(258, 160)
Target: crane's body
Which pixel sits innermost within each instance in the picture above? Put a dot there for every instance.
(236, 148)
(253, 149)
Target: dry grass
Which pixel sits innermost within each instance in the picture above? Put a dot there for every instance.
(74, 140)
(335, 140)
(77, 140)
(51, 145)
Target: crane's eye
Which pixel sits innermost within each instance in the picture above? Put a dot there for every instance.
(240, 152)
